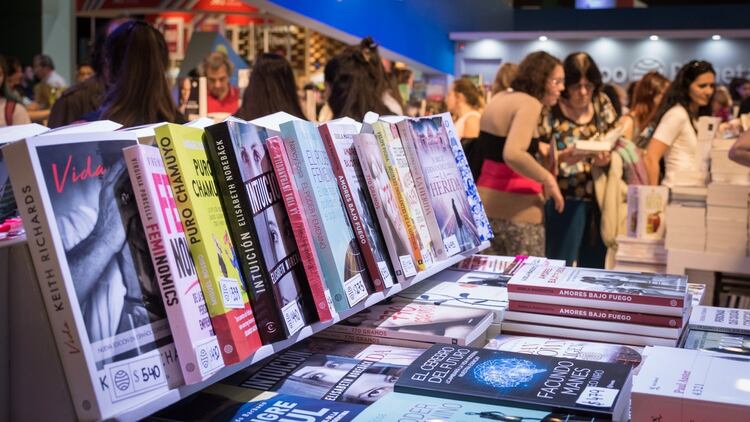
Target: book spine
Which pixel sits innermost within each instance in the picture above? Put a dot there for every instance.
(227, 301)
(292, 201)
(415, 166)
(654, 407)
(595, 314)
(351, 210)
(584, 323)
(601, 298)
(403, 206)
(238, 213)
(198, 350)
(585, 334)
(45, 253)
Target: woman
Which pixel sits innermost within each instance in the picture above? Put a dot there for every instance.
(504, 76)
(647, 95)
(271, 89)
(721, 105)
(583, 113)
(675, 138)
(464, 101)
(511, 181)
(136, 65)
(11, 112)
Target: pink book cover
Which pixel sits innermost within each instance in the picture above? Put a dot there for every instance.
(197, 347)
(302, 234)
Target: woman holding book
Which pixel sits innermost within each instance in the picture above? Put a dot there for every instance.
(675, 138)
(511, 182)
(583, 113)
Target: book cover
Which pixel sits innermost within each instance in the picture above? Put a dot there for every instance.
(593, 314)
(410, 407)
(428, 149)
(475, 202)
(646, 211)
(193, 98)
(407, 198)
(339, 142)
(344, 270)
(722, 320)
(570, 349)
(92, 262)
(422, 322)
(352, 373)
(369, 339)
(11, 134)
(189, 321)
(260, 228)
(517, 379)
(535, 329)
(197, 198)
(486, 263)
(321, 296)
(690, 385)
(658, 294)
(383, 196)
(713, 341)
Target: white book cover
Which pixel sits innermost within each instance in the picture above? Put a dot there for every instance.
(726, 320)
(98, 126)
(690, 385)
(646, 209)
(618, 290)
(584, 334)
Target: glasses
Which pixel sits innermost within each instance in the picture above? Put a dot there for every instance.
(556, 82)
(577, 87)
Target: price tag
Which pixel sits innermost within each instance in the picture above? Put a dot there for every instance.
(292, 317)
(451, 245)
(135, 376)
(427, 257)
(407, 265)
(209, 356)
(231, 293)
(598, 396)
(355, 289)
(385, 274)
(329, 301)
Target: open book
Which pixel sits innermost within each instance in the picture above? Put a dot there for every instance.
(599, 144)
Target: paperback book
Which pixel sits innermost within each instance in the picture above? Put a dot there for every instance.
(536, 329)
(11, 134)
(570, 349)
(92, 262)
(520, 380)
(339, 142)
(421, 322)
(394, 228)
(260, 228)
(189, 321)
(713, 341)
(337, 249)
(211, 247)
(722, 320)
(592, 324)
(618, 290)
(486, 263)
(593, 314)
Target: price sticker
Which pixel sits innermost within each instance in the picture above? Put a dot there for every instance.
(355, 289)
(598, 396)
(292, 317)
(427, 257)
(231, 293)
(135, 376)
(452, 246)
(209, 356)
(385, 275)
(407, 265)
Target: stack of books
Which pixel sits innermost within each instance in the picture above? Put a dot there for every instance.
(611, 306)
(714, 329)
(686, 219)
(642, 255)
(726, 219)
(724, 170)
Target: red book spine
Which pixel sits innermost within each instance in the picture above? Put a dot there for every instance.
(302, 233)
(668, 302)
(595, 314)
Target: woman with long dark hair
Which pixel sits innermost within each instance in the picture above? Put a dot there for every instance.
(271, 89)
(675, 138)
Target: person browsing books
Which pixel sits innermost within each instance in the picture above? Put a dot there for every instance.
(222, 97)
(675, 138)
(464, 101)
(511, 182)
(583, 113)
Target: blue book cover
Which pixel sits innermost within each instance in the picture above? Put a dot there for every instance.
(548, 383)
(337, 249)
(408, 407)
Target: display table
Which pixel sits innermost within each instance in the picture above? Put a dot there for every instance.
(679, 261)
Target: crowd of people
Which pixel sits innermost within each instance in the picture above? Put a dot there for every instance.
(542, 196)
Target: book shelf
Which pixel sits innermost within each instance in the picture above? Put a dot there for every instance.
(43, 375)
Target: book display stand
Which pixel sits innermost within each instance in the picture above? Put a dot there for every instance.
(36, 387)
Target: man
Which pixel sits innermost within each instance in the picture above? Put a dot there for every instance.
(222, 96)
(50, 85)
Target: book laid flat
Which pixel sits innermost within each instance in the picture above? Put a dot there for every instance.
(573, 349)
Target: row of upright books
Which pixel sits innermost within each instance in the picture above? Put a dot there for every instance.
(167, 252)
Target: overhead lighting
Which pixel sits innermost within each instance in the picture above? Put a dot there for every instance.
(654, 38)
(716, 37)
(543, 38)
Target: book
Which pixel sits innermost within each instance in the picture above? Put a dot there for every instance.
(475, 202)
(648, 293)
(535, 329)
(407, 198)
(94, 270)
(327, 370)
(338, 138)
(646, 209)
(439, 184)
(422, 322)
(720, 320)
(192, 99)
(714, 341)
(321, 296)
(572, 349)
(195, 341)
(604, 143)
(338, 251)
(383, 196)
(260, 228)
(593, 314)
(485, 263)
(520, 380)
(410, 407)
(10, 134)
(690, 385)
(197, 199)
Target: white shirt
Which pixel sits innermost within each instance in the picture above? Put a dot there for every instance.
(681, 160)
(55, 80)
(461, 122)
